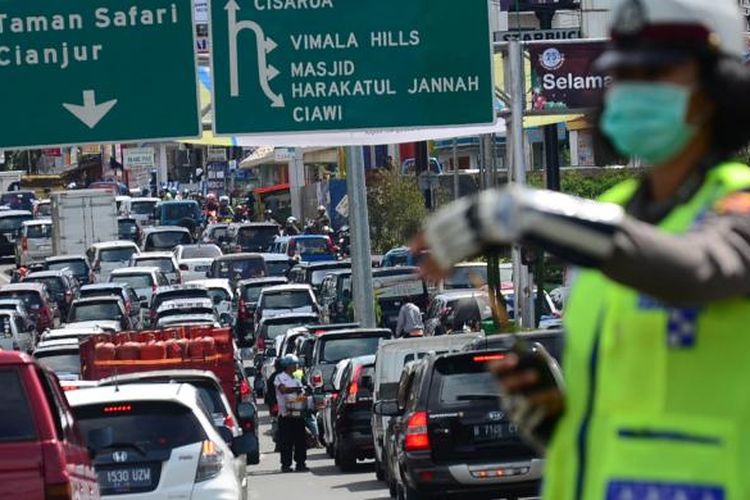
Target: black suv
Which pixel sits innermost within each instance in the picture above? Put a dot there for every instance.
(350, 414)
(450, 437)
(313, 273)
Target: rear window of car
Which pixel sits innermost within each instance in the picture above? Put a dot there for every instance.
(142, 207)
(203, 252)
(287, 300)
(184, 293)
(219, 293)
(120, 254)
(168, 239)
(127, 227)
(462, 380)
(136, 281)
(164, 264)
(240, 269)
(271, 331)
(44, 209)
(17, 423)
(39, 231)
(258, 238)
(151, 425)
(334, 350)
(30, 299)
(54, 285)
(77, 267)
(174, 211)
(312, 246)
(252, 292)
(97, 311)
(277, 268)
(400, 285)
(60, 361)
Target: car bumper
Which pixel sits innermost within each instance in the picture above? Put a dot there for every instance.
(521, 478)
(360, 442)
(225, 486)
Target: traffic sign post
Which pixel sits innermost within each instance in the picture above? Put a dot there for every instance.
(285, 66)
(96, 71)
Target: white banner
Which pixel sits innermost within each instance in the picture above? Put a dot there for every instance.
(138, 157)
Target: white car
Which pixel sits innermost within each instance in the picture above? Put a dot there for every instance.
(195, 260)
(186, 311)
(60, 356)
(142, 210)
(106, 257)
(144, 280)
(123, 205)
(75, 331)
(35, 242)
(107, 313)
(14, 335)
(165, 261)
(159, 441)
(286, 299)
(221, 294)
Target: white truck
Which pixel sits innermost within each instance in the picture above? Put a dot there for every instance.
(8, 178)
(81, 218)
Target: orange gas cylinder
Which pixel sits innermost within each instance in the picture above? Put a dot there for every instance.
(195, 348)
(209, 346)
(184, 345)
(129, 351)
(174, 351)
(104, 351)
(153, 350)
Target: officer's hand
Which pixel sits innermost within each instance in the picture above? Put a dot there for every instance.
(535, 407)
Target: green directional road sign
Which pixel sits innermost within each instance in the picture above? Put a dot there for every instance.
(96, 71)
(305, 65)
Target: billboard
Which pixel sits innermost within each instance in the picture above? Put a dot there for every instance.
(562, 77)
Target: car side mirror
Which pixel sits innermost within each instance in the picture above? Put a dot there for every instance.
(225, 433)
(100, 438)
(387, 408)
(250, 371)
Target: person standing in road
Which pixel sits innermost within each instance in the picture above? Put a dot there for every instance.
(655, 362)
(291, 398)
(409, 323)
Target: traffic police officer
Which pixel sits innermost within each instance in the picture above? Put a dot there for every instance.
(656, 403)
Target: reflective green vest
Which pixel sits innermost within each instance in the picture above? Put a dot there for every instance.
(658, 397)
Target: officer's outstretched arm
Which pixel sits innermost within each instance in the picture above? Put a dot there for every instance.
(712, 262)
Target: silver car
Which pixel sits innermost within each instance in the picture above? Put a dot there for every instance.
(35, 242)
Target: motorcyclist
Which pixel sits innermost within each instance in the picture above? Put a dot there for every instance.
(225, 209)
(291, 228)
(322, 220)
(212, 206)
(268, 216)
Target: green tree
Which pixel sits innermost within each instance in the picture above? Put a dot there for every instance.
(397, 209)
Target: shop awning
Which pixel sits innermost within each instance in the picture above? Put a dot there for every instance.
(271, 189)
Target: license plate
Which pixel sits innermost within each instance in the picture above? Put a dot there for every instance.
(492, 432)
(122, 480)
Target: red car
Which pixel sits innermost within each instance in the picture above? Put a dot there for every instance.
(42, 454)
(37, 300)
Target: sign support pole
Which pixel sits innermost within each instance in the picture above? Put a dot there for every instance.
(296, 182)
(359, 221)
(456, 187)
(524, 304)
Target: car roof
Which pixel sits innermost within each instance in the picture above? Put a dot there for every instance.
(166, 229)
(113, 244)
(178, 319)
(104, 286)
(275, 256)
(14, 358)
(45, 274)
(22, 287)
(239, 256)
(134, 270)
(335, 264)
(257, 224)
(286, 317)
(169, 305)
(56, 344)
(179, 376)
(261, 281)
(287, 288)
(179, 288)
(154, 255)
(37, 222)
(210, 283)
(302, 237)
(14, 213)
(62, 258)
(89, 300)
(463, 293)
(177, 393)
(145, 199)
(354, 332)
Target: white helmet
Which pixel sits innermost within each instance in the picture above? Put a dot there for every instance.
(224, 198)
(291, 220)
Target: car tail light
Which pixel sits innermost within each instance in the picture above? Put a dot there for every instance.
(241, 311)
(210, 462)
(24, 243)
(317, 379)
(292, 247)
(244, 389)
(229, 421)
(351, 396)
(62, 491)
(417, 438)
(261, 343)
(488, 357)
(118, 409)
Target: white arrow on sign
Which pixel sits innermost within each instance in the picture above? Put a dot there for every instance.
(265, 46)
(90, 113)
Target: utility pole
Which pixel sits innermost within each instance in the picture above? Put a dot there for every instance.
(524, 304)
(359, 222)
(456, 176)
(297, 182)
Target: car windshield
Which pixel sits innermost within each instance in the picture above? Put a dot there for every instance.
(12, 223)
(312, 246)
(148, 424)
(167, 239)
(277, 268)
(240, 269)
(334, 350)
(287, 300)
(95, 311)
(127, 227)
(175, 211)
(164, 264)
(219, 293)
(39, 231)
(136, 281)
(30, 299)
(142, 207)
(275, 329)
(318, 276)
(54, 285)
(256, 239)
(398, 286)
(201, 252)
(118, 254)
(44, 209)
(77, 267)
(217, 233)
(60, 361)
(17, 423)
(468, 276)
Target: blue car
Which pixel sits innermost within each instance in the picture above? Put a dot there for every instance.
(306, 247)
